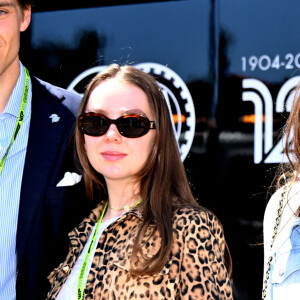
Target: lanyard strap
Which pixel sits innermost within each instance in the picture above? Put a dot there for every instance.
(80, 284)
(20, 118)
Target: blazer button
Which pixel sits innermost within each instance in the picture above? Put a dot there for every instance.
(281, 272)
(66, 269)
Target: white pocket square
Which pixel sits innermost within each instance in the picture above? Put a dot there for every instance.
(69, 179)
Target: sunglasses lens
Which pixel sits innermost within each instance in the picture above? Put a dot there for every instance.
(133, 127)
(94, 125)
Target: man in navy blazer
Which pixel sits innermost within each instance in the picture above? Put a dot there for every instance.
(36, 120)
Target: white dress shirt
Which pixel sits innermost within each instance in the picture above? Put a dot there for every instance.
(10, 183)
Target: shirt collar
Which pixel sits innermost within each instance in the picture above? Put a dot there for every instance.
(14, 102)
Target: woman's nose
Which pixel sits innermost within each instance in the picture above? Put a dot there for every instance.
(113, 133)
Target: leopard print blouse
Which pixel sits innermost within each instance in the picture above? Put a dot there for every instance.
(194, 270)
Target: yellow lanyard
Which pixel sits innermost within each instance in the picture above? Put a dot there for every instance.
(20, 118)
(80, 284)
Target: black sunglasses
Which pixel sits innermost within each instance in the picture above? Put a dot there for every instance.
(129, 125)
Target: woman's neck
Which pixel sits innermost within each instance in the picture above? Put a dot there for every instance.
(121, 196)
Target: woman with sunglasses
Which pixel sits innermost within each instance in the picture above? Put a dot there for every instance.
(147, 237)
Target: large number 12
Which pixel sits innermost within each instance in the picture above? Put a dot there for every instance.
(258, 93)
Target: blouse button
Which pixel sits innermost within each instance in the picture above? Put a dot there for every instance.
(281, 272)
(66, 269)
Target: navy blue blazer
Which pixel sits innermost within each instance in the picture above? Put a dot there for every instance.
(46, 212)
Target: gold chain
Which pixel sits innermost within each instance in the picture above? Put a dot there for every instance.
(126, 207)
(279, 212)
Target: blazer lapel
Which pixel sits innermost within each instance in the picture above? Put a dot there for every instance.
(43, 147)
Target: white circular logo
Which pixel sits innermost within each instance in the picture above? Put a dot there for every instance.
(176, 93)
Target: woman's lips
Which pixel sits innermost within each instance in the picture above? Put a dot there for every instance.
(113, 155)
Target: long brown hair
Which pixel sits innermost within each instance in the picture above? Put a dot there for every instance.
(163, 182)
(289, 172)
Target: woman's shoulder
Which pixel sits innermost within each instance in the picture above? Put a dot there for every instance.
(199, 226)
(197, 218)
(289, 195)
